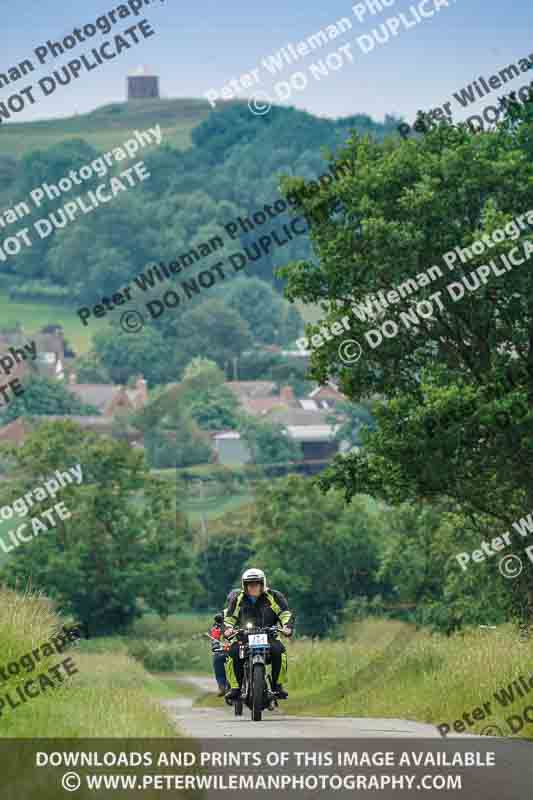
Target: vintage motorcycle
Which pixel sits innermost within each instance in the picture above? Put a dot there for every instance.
(257, 688)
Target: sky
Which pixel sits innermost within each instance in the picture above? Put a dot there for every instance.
(200, 47)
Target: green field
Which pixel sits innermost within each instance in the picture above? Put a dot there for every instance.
(213, 507)
(108, 126)
(33, 316)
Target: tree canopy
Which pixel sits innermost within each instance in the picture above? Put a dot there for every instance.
(456, 414)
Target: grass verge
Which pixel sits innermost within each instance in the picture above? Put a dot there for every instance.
(111, 695)
(389, 669)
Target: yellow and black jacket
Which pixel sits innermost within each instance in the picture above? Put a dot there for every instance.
(270, 608)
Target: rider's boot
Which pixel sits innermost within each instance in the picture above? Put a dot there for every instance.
(279, 691)
(221, 690)
(233, 694)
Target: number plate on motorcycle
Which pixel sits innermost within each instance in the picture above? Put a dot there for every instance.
(258, 638)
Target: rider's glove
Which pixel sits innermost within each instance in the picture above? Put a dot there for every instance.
(287, 630)
(228, 631)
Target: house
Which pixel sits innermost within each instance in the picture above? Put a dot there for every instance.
(50, 346)
(311, 429)
(327, 396)
(109, 398)
(230, 449)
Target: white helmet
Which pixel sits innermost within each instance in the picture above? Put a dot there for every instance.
(253, 575)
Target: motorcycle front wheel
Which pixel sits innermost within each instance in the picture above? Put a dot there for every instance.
(258, 691)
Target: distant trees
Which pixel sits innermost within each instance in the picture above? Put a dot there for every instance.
(232, 169)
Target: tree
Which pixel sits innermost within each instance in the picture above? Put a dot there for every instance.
(351, 419)
(290, 372)
(210, 404)
(215, 409)
(318, 551)
(45, 396)
(171, 436)
(89, 369)
(203, 366)
(124, 548)
(222, 559)
(125, 355)
(270, 318)
(268, 443)
(458, 417)
(213, 331)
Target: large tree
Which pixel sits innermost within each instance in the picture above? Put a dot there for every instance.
(214, 331)
(319, 551)
(124, 548)
(271, 319)
(458, 414)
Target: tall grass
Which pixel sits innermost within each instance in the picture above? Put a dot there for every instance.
(110, 695)
(385, 668)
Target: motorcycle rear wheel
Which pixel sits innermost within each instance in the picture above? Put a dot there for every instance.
(258, 692)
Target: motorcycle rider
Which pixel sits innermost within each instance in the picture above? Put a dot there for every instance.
(262, 606)
(219, 654)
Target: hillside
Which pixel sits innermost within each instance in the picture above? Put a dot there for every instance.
(107, 126)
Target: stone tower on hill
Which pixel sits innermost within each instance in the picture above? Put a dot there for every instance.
(142, 85)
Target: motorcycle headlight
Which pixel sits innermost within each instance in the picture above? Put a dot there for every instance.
(249, 625)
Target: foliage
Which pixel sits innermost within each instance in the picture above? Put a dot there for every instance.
(202, 366)
(257, 364)
(89, 369)
(315, 549)
(215, 409)
(45, 396)
(267, 442)
(213, 331)
(352, 418)
(124, 548)
(270, 318)
(458, 417)
(223, 558)
(292, 373)
(232, 169)
(172, 437)
(124, 355)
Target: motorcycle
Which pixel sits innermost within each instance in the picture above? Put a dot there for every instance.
(257, 687)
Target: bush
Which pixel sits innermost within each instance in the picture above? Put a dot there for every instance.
(174, 656)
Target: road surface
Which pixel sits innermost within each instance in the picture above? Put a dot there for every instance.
(510, 780)
(203, 723)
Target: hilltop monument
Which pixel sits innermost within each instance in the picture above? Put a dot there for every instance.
(143, 84)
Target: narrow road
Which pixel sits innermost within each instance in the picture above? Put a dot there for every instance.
(510, 780)
(220, 723)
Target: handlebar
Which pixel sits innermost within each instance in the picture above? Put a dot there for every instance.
(269, 629)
